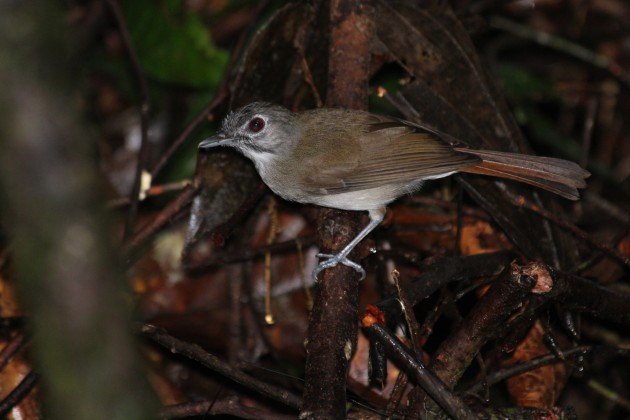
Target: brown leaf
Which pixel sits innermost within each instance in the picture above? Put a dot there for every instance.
(540, 387)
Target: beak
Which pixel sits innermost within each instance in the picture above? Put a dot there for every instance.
(218, 139)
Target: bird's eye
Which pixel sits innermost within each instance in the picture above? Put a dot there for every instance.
(256, 124)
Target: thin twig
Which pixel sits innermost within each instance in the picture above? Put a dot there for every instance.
(143, 153)
(397, 394)
(594, 259)
(426, 329)
(230, 407)
(240, 44)
(154, 191)
(196, 353)
(272, 211)
(563, 45)
(174, 207)
(221, 96)
(252, 254)
(517, 369)
(521, 201)
(451, 403)
(410, 316)
(308, 76)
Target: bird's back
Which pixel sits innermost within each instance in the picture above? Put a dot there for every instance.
(356, 160)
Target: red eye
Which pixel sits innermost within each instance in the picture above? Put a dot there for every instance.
(256, 124)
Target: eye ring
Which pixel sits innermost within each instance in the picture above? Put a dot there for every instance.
(256, 124)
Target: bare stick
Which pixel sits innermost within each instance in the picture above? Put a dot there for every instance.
(519, 368)
(143, 153)
(332, 331)
(521, 201)
(563, 45)
(451, 403)
(174, 207)
(495, 307)
(196, 353)
(154, 191)
(221, 96)
(232, 257)
(230, 407)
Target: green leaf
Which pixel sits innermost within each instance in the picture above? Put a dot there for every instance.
(174, 46)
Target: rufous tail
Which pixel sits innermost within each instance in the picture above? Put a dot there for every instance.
(556, 175)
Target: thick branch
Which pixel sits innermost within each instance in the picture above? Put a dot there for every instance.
(333, 324)
(495, 307)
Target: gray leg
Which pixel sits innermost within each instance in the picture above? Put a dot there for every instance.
(376, 217)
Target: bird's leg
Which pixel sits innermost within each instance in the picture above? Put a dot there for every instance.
(376, 217)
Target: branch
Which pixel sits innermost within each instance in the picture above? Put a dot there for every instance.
(174, 206)
(439, 271)
(563, 45)
(143, 153)
(235, 256)
(532, 364)
(521, 201)
(231, 407)
(493, 309)
(436, 389)
(582, 295)
(332, 332)
(196, 353)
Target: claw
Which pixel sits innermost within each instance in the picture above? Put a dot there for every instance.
(333, 260)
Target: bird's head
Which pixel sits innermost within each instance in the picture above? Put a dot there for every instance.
(256, 130)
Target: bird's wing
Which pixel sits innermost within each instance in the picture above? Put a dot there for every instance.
(386, 152)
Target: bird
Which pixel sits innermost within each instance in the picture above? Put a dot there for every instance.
(356, 160)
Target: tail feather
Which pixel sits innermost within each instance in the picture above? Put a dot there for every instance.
(559, 176)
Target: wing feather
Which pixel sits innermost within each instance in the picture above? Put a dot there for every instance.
(388, 153)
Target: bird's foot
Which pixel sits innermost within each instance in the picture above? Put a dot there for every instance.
(333, 260)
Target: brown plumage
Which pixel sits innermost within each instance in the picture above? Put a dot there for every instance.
(376, 152)
(355, 160)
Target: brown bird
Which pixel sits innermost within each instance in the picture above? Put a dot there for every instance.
(355, 160)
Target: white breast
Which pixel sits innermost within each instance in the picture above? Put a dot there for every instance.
(374, 198)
